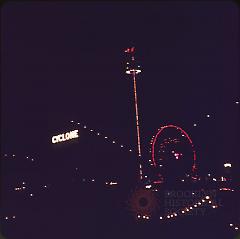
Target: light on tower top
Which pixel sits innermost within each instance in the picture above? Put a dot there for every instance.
(132, 67)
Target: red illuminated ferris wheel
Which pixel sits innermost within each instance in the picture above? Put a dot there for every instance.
(173, 153)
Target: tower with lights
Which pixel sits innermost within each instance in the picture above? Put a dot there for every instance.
(133, 69)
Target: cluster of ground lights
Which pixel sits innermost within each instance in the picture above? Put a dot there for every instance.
(187, 211)
(23, 187)
(205, 201)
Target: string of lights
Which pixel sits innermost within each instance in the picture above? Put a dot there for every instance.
(184, 211)
(102, 136)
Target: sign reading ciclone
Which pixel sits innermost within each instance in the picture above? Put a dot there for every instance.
(66, 136)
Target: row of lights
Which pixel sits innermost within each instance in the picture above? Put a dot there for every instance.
(106, 183)
(184, 211)
(19, 188)
(188, 209)
(111, 183)
(9, 217)
(105, 137)
(146, 217)
(90, 180)
(13, 156)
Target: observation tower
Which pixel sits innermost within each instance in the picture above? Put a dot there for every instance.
(133, 69)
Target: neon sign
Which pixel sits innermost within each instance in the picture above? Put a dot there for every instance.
(66, 136)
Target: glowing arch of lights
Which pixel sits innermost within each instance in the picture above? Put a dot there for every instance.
(183, 132)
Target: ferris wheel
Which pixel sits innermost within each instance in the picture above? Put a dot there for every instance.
(173, 154)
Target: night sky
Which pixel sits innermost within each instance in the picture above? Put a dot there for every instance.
(65, 61)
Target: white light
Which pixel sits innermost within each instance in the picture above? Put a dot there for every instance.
(78, 123)
(27, 157)
(32, 159)
(161, 218)
(143, 216)
(187, 210)
(168, 216)
(93, 180)
(208, 116)
(72, 121)
(210, 202)
(223, 179)
(14, 217)
(231, 224)
(113, 183)
(13, 155)
(171, 215)
(175, 214)
(214, 206)
(131, 71)
(45, 186)
(199, 203)
(182, 180)
(98, 133)
(195, 205)
(6, 218)
(236, 228)
(138, 216)
(207, 197)
(23, 183)
(84, 126)
(209, 174)
(194, 125)
(91, 129)
(203, 200)
(23, 187)
(113, 142)
(183, 211)
(121, 146)
(227, 165)
(148, 186)
(31, 195)
(191, 208)
(237, 102)
(214, 179)
(66, 136)
(105, 137)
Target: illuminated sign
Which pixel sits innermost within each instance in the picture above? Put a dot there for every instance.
(66, 136)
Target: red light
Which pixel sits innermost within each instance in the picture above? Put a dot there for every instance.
(183, 132)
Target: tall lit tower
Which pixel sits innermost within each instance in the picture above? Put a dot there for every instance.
(133, 69)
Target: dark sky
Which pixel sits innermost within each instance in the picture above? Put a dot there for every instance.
(64, 61)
